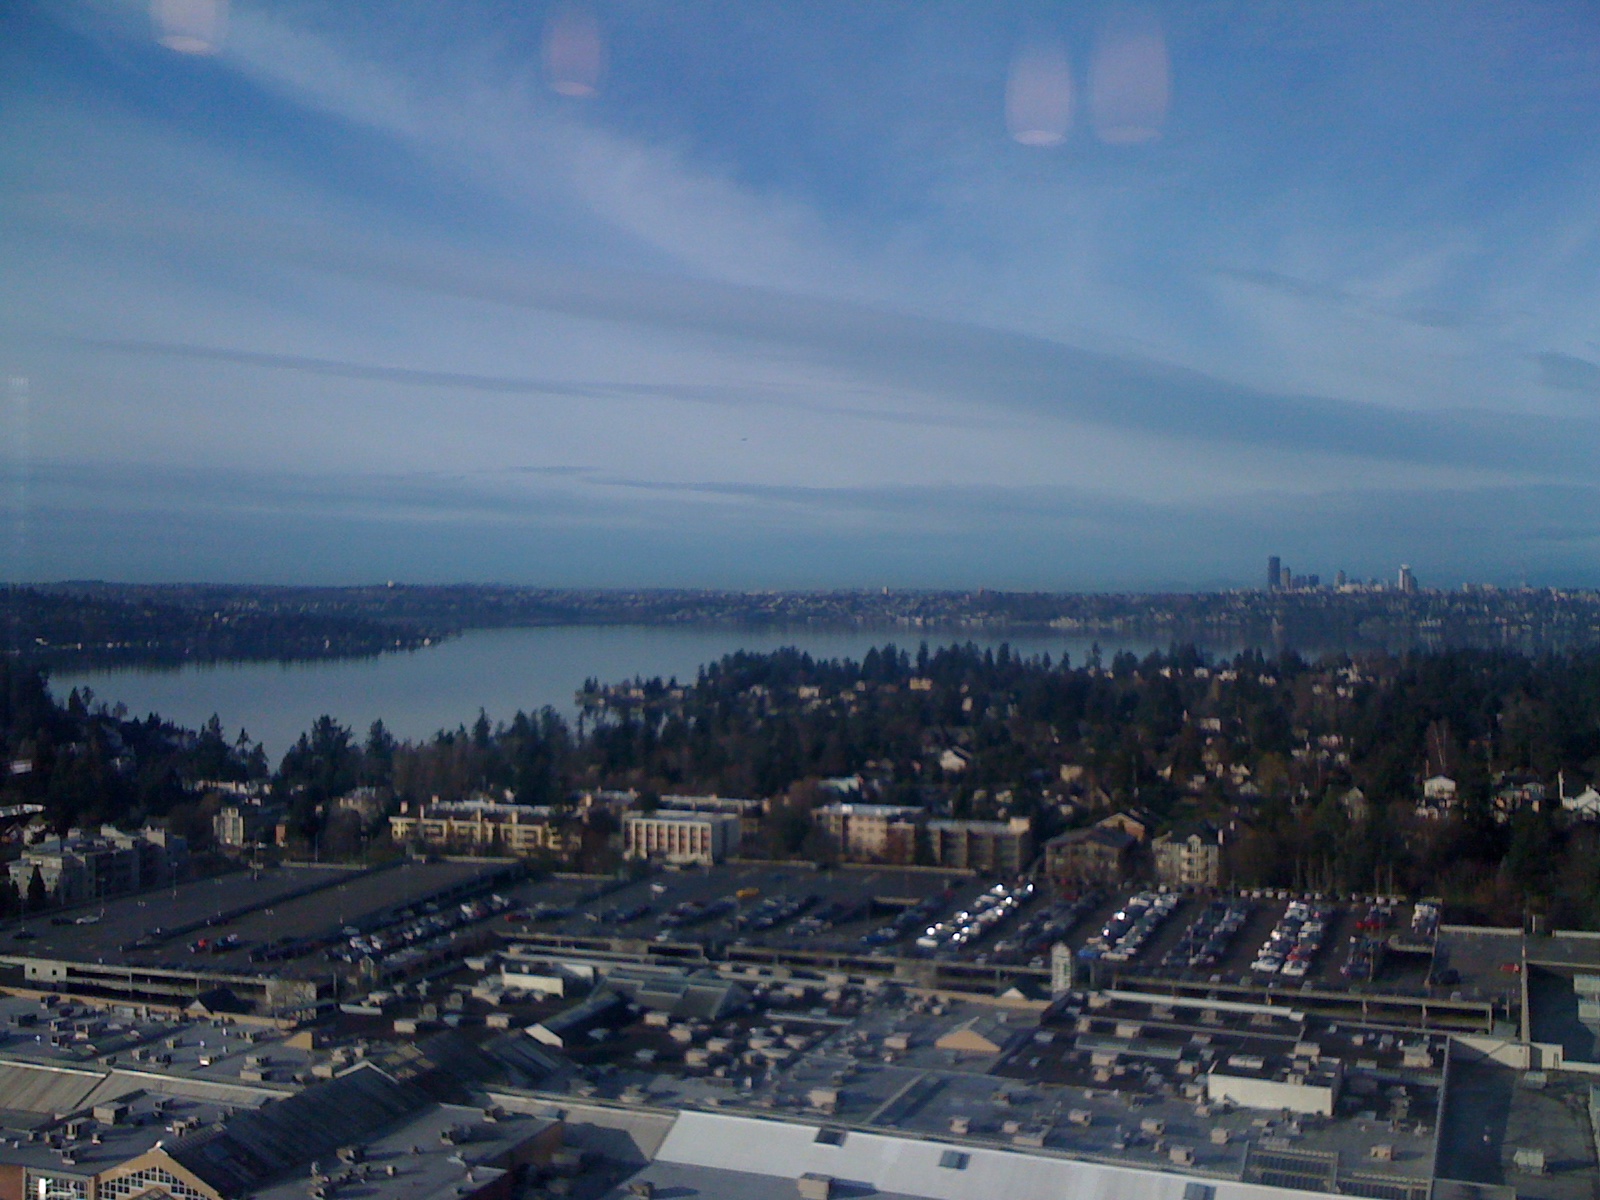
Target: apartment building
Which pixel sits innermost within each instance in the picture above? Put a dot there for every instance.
(885, 833)
(1190, 857)
(486, 826)
(1099, 854)
(993, 847)
(83, 867)
(247, 822)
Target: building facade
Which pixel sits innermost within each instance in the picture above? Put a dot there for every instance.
(83, 867)
(681, 837)
(885, 833)
(483, 826)
(242, 823)
(749, 812)
(1189, 857)
(1099, 854)
(994, 847)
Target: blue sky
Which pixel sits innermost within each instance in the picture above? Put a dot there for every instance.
(801, 295)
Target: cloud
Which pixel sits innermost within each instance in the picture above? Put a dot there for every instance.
(983, 369)
(318, 246)
(1002, 369)
(1569, 373)
(741, 395)
(967, 364)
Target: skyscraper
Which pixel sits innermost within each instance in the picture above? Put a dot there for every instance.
(1274, 573)
(1408, 581)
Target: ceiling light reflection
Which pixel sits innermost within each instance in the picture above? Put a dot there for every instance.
(1130, 80)
(574, 52)
(190, 26)
(1039, 95)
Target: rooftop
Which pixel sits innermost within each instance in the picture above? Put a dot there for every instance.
(432, 1154)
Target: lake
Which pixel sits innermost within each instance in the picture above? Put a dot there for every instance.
(499, 670)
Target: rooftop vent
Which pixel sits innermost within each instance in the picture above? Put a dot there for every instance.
(1529, 1159)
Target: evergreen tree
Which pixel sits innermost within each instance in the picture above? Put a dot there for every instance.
(38, 894)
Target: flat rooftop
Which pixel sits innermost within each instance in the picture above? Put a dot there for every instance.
(1494, 1111)
(985, 1075)
(725, 1155)
(429, 1153)
(87, 1145)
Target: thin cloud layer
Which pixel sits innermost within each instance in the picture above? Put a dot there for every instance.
(1283, 271)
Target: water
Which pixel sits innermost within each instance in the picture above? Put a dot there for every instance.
(500, 670)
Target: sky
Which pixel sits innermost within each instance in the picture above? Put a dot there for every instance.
(796, 295)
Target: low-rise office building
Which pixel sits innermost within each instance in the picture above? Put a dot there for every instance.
(682, 837)
(749, 812)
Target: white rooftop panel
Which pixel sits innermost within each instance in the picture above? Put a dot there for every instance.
(910, 1166)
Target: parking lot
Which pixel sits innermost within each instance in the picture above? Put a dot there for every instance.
(1233, 962)
(280, 920)
(885, 912)
(826, 909)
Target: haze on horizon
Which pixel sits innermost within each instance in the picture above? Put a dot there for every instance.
(783, 295)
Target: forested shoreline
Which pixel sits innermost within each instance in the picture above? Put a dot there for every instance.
(1315, 768)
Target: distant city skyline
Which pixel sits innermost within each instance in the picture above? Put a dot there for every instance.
(1282, 576)
(771, 295)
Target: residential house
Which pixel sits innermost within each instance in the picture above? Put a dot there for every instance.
(954, 760)
(1438, 798)
(1586, 804)
(1514, 797)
